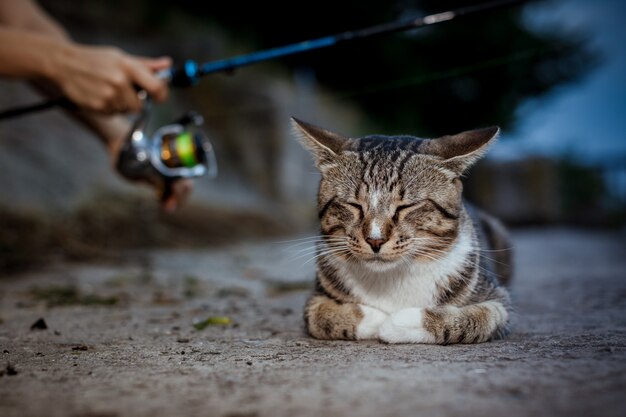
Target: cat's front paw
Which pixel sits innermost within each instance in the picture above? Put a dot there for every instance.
(371, 321)
(405, 326)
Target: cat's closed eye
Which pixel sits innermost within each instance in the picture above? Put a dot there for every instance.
(356, 206)
(404, 208)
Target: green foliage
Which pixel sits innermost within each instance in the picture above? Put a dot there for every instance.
(212, 321)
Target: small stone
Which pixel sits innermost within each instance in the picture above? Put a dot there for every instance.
(183, 340)
(39, 325)
(249, 363)
(10, 369)
(80, 347)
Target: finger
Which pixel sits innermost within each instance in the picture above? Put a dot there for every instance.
(96, 96)
(107, 106)
(176, 194)
(144, 78)
(169, 205)
(182, 190)
(129, 101)
(156, 64)
(168, 201)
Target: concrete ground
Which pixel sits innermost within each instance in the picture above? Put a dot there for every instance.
(120, 340)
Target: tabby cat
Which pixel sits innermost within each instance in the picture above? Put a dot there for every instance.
(400, 257)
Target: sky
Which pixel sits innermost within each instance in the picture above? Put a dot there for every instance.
(586, 119)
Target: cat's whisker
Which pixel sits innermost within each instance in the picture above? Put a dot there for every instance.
(297, 240)
(428, 248)
(495, 250)
(495, 260)
(300, 246)
(304, 252)
(433, 250)
(432, 244)
(335, 252)
(315, 245)
(425, 255)
(406, 262)
(312, 259)
(316, 241)
(307, 238)
(320, 246)
(432, 239)
(302, 255)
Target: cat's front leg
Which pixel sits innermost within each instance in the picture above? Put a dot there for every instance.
(326, 318)
(445, 325)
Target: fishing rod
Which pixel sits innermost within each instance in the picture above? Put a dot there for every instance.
(180, 149)
(190, 72)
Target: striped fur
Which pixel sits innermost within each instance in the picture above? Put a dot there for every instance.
(401, 258)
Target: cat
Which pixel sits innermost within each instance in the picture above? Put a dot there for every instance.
(400, 257)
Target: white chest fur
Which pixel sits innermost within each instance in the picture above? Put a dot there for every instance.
(405, 286)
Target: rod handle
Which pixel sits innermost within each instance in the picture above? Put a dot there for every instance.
(184, 75)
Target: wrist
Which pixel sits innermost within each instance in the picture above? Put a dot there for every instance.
(112, 130)
(53, 65)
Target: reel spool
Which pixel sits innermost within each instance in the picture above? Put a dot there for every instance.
(174, 151)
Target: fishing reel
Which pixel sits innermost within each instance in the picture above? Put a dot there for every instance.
(174, 151)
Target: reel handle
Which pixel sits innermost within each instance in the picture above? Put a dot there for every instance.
(190, 118)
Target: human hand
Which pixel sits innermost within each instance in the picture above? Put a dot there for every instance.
(175, 194)
(104, 79)
(115, 130)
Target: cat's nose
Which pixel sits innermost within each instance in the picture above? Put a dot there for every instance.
(375, 243)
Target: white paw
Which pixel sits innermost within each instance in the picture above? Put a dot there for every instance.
(405, 326)
(370, 323)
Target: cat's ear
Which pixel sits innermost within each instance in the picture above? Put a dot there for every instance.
(462, 150)
(322, 143)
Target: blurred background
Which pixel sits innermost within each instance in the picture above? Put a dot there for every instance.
(552, 74)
